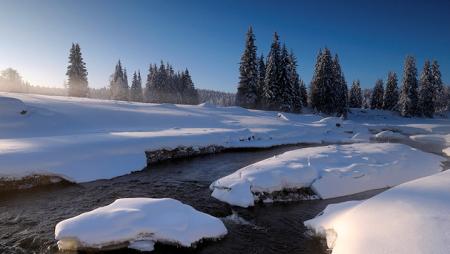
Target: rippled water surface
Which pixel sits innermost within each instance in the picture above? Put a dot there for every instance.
(27, 219)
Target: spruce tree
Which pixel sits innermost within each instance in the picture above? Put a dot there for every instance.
(391, 95)
(409, 97)
(118, 84)
(426, 92)
(340, 88)
(303, 94)
(261, 77)
(272, 93)
(355, 100)
(295, 82)
(136, 88)
(376, 101)
(286, 100)
(247, 93)
(77, 73)
(440, 100)
(323, 90)
(190, 94)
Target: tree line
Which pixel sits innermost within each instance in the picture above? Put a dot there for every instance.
(163, 84)
(272, 83)
(422, 96)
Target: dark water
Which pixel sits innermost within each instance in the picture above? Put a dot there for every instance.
(28, 218)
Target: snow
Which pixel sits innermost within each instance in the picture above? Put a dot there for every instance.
(138, 223)
(411, 218)
(434, 142)
(386, 136)
(83, 139)
(330, 171)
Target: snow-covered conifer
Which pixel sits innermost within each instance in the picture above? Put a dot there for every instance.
(340, 88)
(118, 84)
(355, 100)
(322, 85)
(409, 97)
(440, 100)
(303, 94)
(77, 73)
(247, 93)
(391, 93)
(286, 99)
(260, 86)
(376, 101)
(136, 88)
(426, 91)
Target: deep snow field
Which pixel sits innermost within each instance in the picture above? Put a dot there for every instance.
(83, 140)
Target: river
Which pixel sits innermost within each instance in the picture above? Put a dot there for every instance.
(28, 218)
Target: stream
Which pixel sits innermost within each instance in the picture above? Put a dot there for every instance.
(28, 218)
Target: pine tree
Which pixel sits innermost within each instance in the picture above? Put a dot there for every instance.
(272, 91)
(247, 93)
(391, 95)
(355, 100)
(440, 100)
(303, 94)
(426, 92)
(377, 95)
(77, 73)
(340, 88)
(323, 90)
(286, 100)
(409, 95)
(136, 88)
(260, 87)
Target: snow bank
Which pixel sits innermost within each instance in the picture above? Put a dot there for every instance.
(433, 142)
(330, 171)
(389, 136)
(11, 107)
(138, 223)
(412, 218)
(82, 139)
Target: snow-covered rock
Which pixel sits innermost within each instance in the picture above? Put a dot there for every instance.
(412, 218)
(330, 171)
(138, 223)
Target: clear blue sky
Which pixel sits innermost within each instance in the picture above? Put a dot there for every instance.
(371, 38)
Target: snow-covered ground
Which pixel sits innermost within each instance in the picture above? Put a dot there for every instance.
(82, 139)
(85, 139)
(412, 218)
(138, 223)
(330, 171)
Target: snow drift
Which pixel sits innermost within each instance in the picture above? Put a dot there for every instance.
(138, 223)
(330, 171)
(412, 218)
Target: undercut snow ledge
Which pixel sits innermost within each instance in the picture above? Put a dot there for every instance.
(330, 171)
(138, 223)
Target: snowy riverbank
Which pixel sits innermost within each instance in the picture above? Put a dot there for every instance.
(82, 139)
(411, 218)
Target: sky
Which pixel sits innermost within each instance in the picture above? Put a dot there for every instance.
(207, 37)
